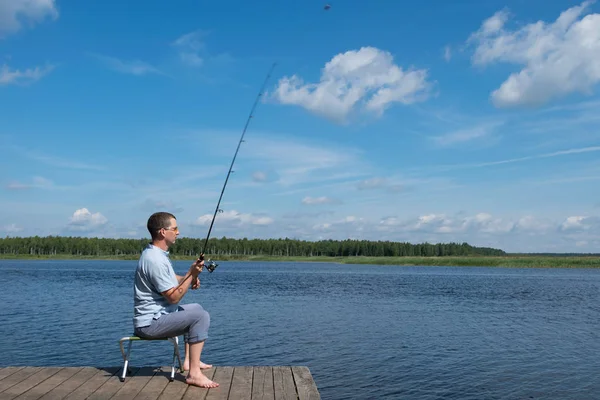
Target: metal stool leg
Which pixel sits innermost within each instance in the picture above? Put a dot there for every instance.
(125, 358)
(176, 356)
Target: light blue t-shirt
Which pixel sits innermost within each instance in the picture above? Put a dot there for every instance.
(153, 275)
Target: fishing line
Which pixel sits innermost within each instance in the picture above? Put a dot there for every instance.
(211, 265)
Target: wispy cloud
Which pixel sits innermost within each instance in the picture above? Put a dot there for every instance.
(296, 161)
(447, 53)
(54, 161)
(259, 176)
(192, 50)
(235, 218)
(10, 76)
(380, 183)
(189, 47)
(132, 67)
(461, 136)
(38, 182)
(320, 200)
(61, 162)
(14, 12)
(516, 160)
(547, 155)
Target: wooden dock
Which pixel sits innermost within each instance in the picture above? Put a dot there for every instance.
(149, 383)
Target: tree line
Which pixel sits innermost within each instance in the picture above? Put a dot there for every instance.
(107, 247)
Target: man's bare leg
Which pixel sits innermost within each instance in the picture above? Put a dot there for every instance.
(186, 361)
(195, 376)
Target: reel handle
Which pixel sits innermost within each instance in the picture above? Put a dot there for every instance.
(209, 264)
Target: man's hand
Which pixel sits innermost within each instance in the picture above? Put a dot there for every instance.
(195, 283)
(196, 268)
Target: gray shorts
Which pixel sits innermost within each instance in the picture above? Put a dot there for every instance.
(190, 320)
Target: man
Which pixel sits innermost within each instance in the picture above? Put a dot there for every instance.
(157, 293)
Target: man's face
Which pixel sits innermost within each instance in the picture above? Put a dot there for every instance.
(171, 232)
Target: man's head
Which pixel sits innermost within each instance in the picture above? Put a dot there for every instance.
(163, 227)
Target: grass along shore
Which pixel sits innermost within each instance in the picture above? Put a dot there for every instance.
(516, 261)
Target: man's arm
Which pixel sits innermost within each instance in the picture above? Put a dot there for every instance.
(195, 281)
(175, 294)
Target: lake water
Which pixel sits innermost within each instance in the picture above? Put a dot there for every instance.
(365, 331)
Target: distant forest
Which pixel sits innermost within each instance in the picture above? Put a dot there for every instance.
(103, 247)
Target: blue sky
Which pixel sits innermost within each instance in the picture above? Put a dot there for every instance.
(428, 121)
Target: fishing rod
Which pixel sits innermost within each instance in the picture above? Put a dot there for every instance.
(211, 265)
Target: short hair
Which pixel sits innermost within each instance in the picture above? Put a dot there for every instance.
(157, 221)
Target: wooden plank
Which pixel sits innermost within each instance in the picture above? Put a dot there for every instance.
(97, 381)
(262, 384)
(223, 376)
(149, 383)
(241, 384)
(131, 387)
(156, 385)
(198, 393)
(44, 387)
(18, 377)
(30, 382)
(175, 389)
(61, 391)
(8, 371)
(112, 385)
(283, 382)
(305, 385)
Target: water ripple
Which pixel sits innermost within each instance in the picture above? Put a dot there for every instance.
(366, 332)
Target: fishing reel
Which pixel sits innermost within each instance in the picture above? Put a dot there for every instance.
(210, 265)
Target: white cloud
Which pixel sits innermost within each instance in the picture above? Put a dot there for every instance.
(532, 224)
(189, 46)
(365, 79)
(11, 229)
(349, 226)
(83, 220)
(234, 218)
(579, 223)
(440, 223)
(10, 76)
(13, 13)
(319, 200)
(132, 67)
(558, 58)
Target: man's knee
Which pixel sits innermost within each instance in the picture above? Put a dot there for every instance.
(203, 316)
(199, 313)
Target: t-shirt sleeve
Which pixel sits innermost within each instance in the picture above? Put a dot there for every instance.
(161, 277)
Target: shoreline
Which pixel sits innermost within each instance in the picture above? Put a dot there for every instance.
(509, 261)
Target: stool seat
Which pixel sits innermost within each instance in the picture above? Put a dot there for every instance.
(131, 339)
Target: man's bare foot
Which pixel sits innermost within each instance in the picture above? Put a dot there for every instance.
(186, 366)
(201, 381)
